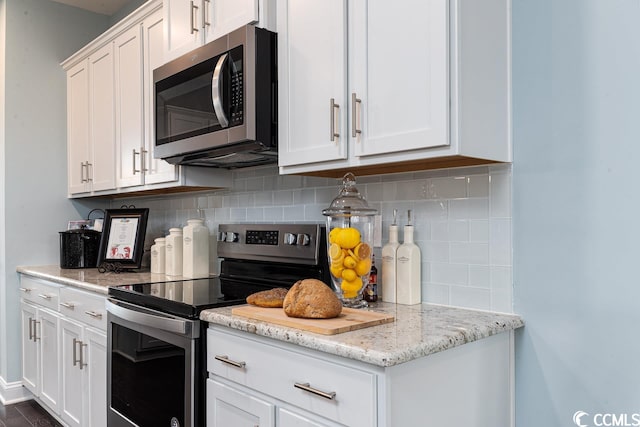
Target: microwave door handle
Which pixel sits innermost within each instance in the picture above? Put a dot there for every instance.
(216, 91)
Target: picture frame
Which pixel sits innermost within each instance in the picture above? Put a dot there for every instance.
(122, 241)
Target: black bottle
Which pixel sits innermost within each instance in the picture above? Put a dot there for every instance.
(371, 290)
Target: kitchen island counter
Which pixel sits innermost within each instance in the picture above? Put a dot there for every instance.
(418, 331)
(91, 279)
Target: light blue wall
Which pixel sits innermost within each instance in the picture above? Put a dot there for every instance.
(576, 98)
(39, 35)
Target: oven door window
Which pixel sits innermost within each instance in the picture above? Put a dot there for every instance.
(202, 99)
(147, 378)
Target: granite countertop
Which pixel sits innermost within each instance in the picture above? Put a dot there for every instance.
(418, 330)
(92, 280)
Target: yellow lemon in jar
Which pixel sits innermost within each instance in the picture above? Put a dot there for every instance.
(336, 270)
(333, 235)
(363, 267)
(335, 253)
(351, 285)
(362, 251)
(348, 238)
(349, 274)
(349, 262)
(349, 294)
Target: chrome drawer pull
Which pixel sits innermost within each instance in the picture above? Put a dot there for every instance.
(43, 296)
(94, 314)
(306, 387)
(30, 328)
(77, 360)
(25, 290)
(35, 330)
(226, 359)
(68, 305)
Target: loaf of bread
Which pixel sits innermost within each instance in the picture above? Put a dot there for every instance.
(269, 298)
(311, 299)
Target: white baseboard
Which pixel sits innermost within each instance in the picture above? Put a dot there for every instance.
(13, 392)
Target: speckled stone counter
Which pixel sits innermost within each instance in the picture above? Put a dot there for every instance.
(418, 330)
(90, 279)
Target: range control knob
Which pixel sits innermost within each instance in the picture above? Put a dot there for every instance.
(303, 240)
(222, 236)
(231, 237)
(290, 239)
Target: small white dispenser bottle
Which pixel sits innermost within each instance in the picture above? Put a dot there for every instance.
(158, 256)
(173, 262)
(195, 249)
(408, 274)
(389, 262)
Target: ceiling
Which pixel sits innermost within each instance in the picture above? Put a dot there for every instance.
(105, 7)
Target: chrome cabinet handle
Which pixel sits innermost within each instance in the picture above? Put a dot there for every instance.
(355, 116)
(35, 330)
(68, 305)
(94, 314)
(78, 360)
(143, 159)
(135, 153)
(193, 9)
(89, 172)
(25, 290)
(225, 359)
(44, 296)
(205, 20)
(216, 91)
(82, 179)
(306, 387)
(30, 329)
(333, 108)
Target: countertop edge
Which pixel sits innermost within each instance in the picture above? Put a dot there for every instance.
(453, 336)
(62, 280)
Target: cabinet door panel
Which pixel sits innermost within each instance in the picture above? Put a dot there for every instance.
(157, 170)
(72, 393)
(227, 406)
(30, 359)
(287, 418)
(101, 119)
(224, 16)
(312, 70)
(180, 16)
(77, 127)
(48, 335)
(399, 70)
(96, 378)
(128, 107)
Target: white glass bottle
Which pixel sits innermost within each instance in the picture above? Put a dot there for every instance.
(408, 269)
(173, 248)
(195, 250)
(158, 256)
(389, 263)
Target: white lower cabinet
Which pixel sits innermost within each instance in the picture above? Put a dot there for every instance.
(257, 381)
(64, 350)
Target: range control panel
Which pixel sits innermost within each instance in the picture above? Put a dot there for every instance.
(293, 243)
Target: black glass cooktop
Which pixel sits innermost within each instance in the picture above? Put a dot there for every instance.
(186, 298)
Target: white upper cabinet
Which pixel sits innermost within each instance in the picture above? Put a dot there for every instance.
(415, 84)
(192, 23)
(312, 81)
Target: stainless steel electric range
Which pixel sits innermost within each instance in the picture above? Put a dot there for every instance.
(156, 342)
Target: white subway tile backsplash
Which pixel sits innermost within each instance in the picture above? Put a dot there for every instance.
(462, 220)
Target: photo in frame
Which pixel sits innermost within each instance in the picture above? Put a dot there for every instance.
(122, 242)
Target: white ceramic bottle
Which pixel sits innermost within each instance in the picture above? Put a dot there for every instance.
(389, 263)
(195, 249)
(173, 248)
(158, 256)
(408, 269)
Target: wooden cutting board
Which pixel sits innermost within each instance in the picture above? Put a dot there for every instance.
(349, 320)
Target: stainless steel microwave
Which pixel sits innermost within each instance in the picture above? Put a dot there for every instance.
(217, 105)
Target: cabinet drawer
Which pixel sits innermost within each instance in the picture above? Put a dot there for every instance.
(86, 307)
(302, 380)
(40, 292)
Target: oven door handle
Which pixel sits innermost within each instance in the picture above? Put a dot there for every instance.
(177, 326)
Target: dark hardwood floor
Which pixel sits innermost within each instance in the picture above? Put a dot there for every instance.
(25, 414)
